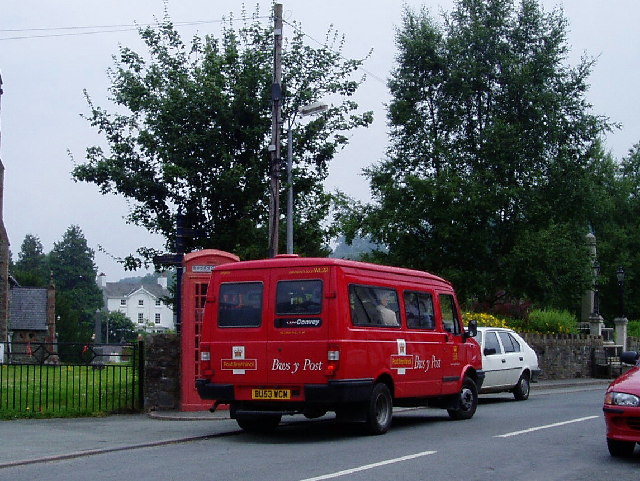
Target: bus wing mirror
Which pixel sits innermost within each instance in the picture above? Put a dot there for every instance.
(472, 330)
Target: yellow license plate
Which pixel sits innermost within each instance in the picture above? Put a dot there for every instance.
(271, 394)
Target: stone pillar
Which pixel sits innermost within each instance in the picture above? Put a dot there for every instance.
(51, 338)
(621, 331)
(161, 372)
(596, 323)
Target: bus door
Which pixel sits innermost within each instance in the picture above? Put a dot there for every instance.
(240, 320)
(424, 345)
(454, 351)
(298, 325)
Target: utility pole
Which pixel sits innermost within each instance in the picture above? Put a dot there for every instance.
(4, 261)
(274, 147)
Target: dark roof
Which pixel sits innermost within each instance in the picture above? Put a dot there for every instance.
(121, 289)
(28, 308)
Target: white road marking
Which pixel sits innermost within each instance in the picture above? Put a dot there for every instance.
(370, 466)
(530, 430)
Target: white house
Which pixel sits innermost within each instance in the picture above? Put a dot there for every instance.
(142, 303)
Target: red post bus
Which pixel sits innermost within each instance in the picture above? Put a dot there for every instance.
(310, 335)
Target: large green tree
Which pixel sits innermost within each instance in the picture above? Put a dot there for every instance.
(192, 125)
(617, 230)
(494, 153)
(32, 267)
(77, 294)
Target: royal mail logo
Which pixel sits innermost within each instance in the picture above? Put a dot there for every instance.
(401, 362)
(238, 364)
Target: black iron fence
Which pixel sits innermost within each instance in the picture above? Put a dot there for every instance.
(70, 379)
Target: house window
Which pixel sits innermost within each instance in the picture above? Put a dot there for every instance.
(123, 302)
(158, 318)
(157, 302)
(141, 302)
(140, 318)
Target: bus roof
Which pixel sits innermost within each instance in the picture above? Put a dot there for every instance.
(289, 260)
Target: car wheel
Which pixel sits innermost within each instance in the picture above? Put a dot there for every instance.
(521, 391)
(379, 410)
(467, 401)
(261, 424)
(620, 449)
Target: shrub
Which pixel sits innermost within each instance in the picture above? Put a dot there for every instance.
(551, 321)
(485, 320)
(633, 329)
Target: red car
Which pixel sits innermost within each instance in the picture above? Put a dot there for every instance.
(622, 409)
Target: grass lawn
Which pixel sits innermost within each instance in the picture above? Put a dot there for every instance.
(65, 391)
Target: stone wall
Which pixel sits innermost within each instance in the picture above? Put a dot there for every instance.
(162, 372)
(565, 356)
(633, 344)
(561, 356)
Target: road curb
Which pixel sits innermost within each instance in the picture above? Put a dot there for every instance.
(94, 452)
(189, 416)
(564, 384)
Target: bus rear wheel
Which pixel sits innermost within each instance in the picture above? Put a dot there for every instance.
(379, 410)
(258, 423)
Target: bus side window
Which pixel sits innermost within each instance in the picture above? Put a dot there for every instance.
(449, 314)
(373, 306)
(419, 310)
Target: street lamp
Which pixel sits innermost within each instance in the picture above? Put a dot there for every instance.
(311, 109)
(620, 276)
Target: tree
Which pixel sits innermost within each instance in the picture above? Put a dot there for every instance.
(192, 133)
(617, 229)
(493, 155)
(31, 269)
(77, 294)
(119, 328)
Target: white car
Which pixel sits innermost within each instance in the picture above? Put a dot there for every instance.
(508, 362)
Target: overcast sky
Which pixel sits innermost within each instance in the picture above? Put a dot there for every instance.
(45, 69)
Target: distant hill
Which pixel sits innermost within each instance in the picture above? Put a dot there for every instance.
(147, 279)
(354, 251)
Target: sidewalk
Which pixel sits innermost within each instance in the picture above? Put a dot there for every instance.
(28, 441)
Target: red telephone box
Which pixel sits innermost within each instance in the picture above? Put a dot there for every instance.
(197, 267)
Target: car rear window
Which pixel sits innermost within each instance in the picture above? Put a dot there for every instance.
(240, 304)
(491, 345)
(509, 342)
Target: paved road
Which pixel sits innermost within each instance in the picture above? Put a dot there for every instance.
(557, 435)
(25, 442)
